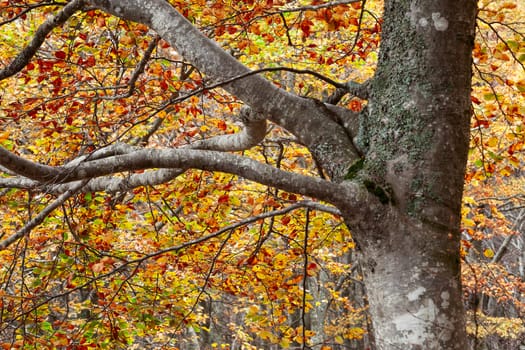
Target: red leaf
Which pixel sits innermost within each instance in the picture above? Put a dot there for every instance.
(224, 199)
(252, 260)
(306, 26)
(101, 22)
(481, 123)
(90, 62)
(60, 55)
(311, 269)
(354, 21)
(312, 266)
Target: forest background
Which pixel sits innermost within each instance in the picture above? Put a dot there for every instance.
(210, 260)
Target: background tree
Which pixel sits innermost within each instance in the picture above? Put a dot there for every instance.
(120, 143)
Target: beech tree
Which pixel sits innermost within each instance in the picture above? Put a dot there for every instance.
(394, 170)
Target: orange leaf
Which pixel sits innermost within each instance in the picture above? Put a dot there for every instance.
(98, 267)
(222, 125)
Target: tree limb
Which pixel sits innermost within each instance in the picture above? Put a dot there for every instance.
(321, 6)
(108, 184)
(326, 140)
(39, 37)
(253, 132)
(181, 159)
(26, 168)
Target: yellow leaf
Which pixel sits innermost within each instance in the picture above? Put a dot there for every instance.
(235, 201)
(284, 343)
(489, 253)
(280, 261)
(355, 333)
(468, 222)
(493, 141)
(505, 171)
(261, 276)
(469, 200)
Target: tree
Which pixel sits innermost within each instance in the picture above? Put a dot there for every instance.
(394, 169)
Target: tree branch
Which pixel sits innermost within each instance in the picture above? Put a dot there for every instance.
(24, 231)
(352, 88)
(321, 6)
(108, 184)
(26, 168)
(326, 139)
(139, 69)
(39, 37)
(253, 132)
(180, 159)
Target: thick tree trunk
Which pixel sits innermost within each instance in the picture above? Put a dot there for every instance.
(415, 139)
(414, 289)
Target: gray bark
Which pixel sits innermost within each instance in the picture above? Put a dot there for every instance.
(417, 135)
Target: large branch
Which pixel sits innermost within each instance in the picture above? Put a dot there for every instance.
(173, 161)
(108, 184)
(204, 160)
(26, 168)
(304, 118)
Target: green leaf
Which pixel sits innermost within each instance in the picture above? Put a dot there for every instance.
(495, 156)
(46, 326)
(513, 45)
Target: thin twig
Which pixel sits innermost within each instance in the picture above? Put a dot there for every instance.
(37, 220)
(39, 37)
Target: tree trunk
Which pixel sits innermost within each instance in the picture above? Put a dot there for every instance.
(414, 289)
(415, 139)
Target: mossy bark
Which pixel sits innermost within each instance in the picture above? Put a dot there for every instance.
(417, 134)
